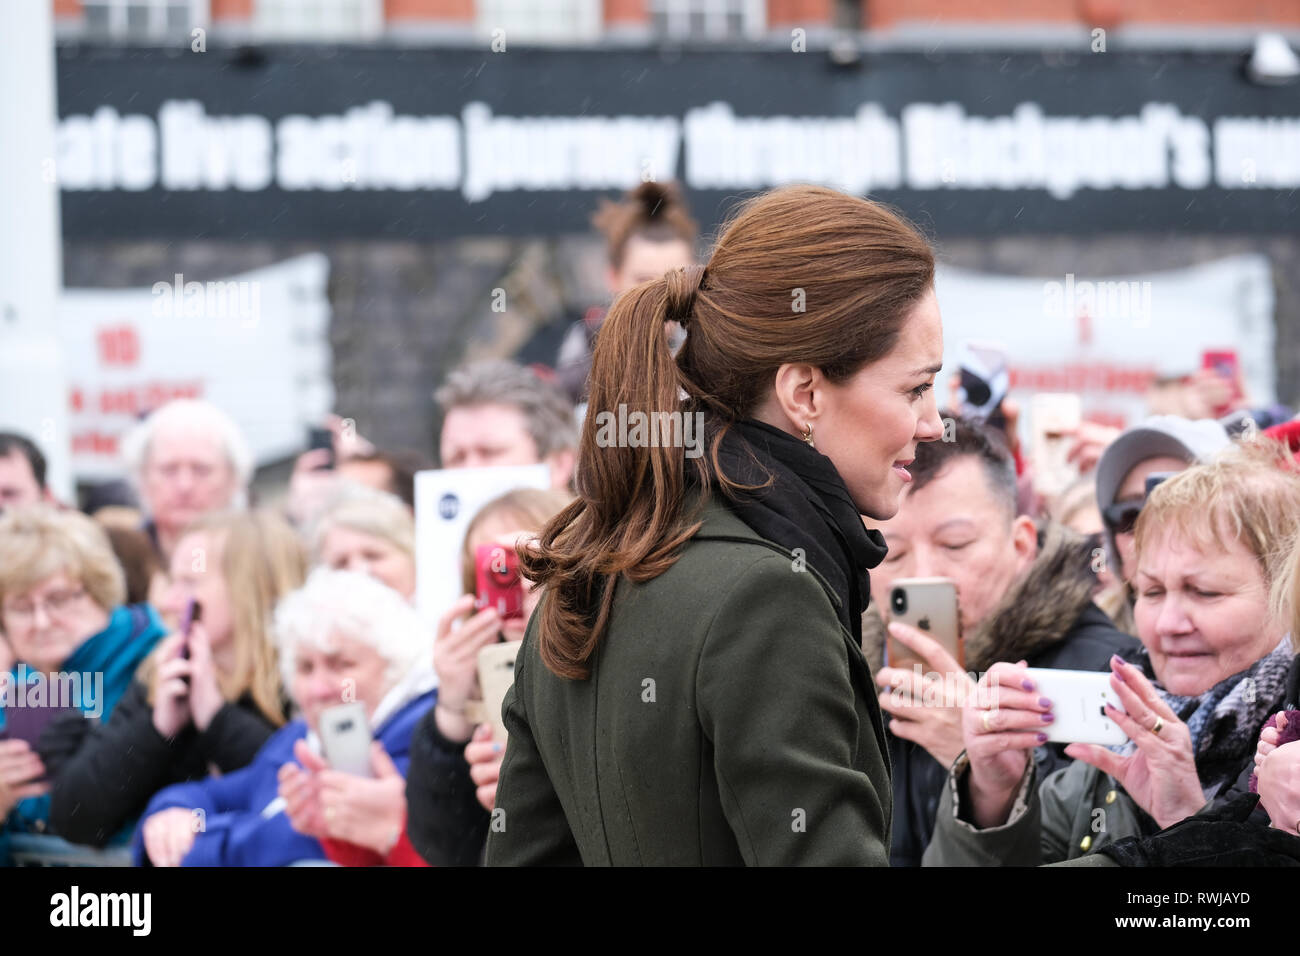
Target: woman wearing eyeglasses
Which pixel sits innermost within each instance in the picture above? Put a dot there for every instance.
(75, 644)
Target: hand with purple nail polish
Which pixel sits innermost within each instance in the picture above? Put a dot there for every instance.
(1000, 726)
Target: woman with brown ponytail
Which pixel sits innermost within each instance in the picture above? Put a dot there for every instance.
(691, 689)
(647, 234)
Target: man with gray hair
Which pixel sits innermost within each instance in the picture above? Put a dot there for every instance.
(186, 459)
(498, 412)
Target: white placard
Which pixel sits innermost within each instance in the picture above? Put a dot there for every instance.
(254, 344)
(1106, 337)
(445, 501)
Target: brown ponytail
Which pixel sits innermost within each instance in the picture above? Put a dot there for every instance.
(856, 268)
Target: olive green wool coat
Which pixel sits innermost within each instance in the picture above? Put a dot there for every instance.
(729, 719)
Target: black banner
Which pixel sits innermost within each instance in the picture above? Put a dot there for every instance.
(325, 142)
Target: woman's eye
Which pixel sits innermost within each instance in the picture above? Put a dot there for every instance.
(921, 389)
(957, 547)
(1205, 594)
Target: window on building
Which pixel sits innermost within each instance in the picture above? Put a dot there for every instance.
(709, 19)
(292, 20)
(142, 20)
(541, 21)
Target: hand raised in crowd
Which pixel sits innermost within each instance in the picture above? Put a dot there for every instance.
(1001, 723)
(20, 771)
(169, 835)
(328, 803)
(171, 692)
(1279, 786)
(484, 756)
(1161, 775)
(910, 697)
(205, 692)
(310, 486)
(1268, 739)
(455, 659)
(1089, 444)
(299, 788)
(312, 480)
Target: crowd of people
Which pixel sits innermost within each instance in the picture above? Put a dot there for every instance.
(680, 697)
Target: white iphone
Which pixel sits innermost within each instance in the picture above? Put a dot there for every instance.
(345, 738)
(1079, 700)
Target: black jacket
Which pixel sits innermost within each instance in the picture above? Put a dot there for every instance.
(444, 820)
(103, 776)
(1233, 830)
(1047, 619)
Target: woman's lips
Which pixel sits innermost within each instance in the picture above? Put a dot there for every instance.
(900, 469)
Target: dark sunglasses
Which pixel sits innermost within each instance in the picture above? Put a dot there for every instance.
(1122, 516)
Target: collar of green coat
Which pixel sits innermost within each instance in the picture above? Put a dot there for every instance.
(720, 523)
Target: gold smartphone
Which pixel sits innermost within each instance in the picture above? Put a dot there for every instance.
(930, 606)
(496, 672)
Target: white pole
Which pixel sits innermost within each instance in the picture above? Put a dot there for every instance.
(33, 384)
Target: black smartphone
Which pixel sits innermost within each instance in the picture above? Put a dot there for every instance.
(321, 438)
(193, 612)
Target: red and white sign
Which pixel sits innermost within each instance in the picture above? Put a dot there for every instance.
(256, 345)
(1108, 337)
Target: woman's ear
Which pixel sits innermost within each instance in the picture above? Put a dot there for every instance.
(796, 396)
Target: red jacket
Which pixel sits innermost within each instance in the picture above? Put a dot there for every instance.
(349, 854)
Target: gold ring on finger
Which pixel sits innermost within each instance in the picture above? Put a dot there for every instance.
(988, 714)
(1160, 722)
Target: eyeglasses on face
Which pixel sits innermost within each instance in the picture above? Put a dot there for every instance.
(56, 604)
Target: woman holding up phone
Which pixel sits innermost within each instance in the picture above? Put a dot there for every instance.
(1213, 668)
(209, 697)
(692, 689)
(454, 761)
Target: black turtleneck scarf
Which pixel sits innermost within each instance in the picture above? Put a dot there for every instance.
(806, 506)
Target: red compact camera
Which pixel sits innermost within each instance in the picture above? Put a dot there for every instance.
(499, 585)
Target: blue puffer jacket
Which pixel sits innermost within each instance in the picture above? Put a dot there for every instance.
(243, 822)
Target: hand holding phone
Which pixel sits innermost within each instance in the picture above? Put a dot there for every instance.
(496, 672)
(496, 572)
(930, 606)
(1079, 700)
(345, 738)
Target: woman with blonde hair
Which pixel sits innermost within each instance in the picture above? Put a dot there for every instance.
(361, 529)
(209, 698)
(62, 612)
(1214, 665)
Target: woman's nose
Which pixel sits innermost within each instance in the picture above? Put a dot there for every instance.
(1172, 618)
(930, 426)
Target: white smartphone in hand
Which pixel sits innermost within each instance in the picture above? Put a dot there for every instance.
(345, 738)
(496, 673)
(1079, 700)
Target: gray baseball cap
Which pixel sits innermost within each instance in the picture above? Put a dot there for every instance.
(1159, 436)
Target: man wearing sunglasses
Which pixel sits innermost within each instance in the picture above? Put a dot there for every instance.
(1162, 443)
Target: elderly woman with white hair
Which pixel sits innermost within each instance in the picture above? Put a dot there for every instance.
(186, 459)
(343, 637)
